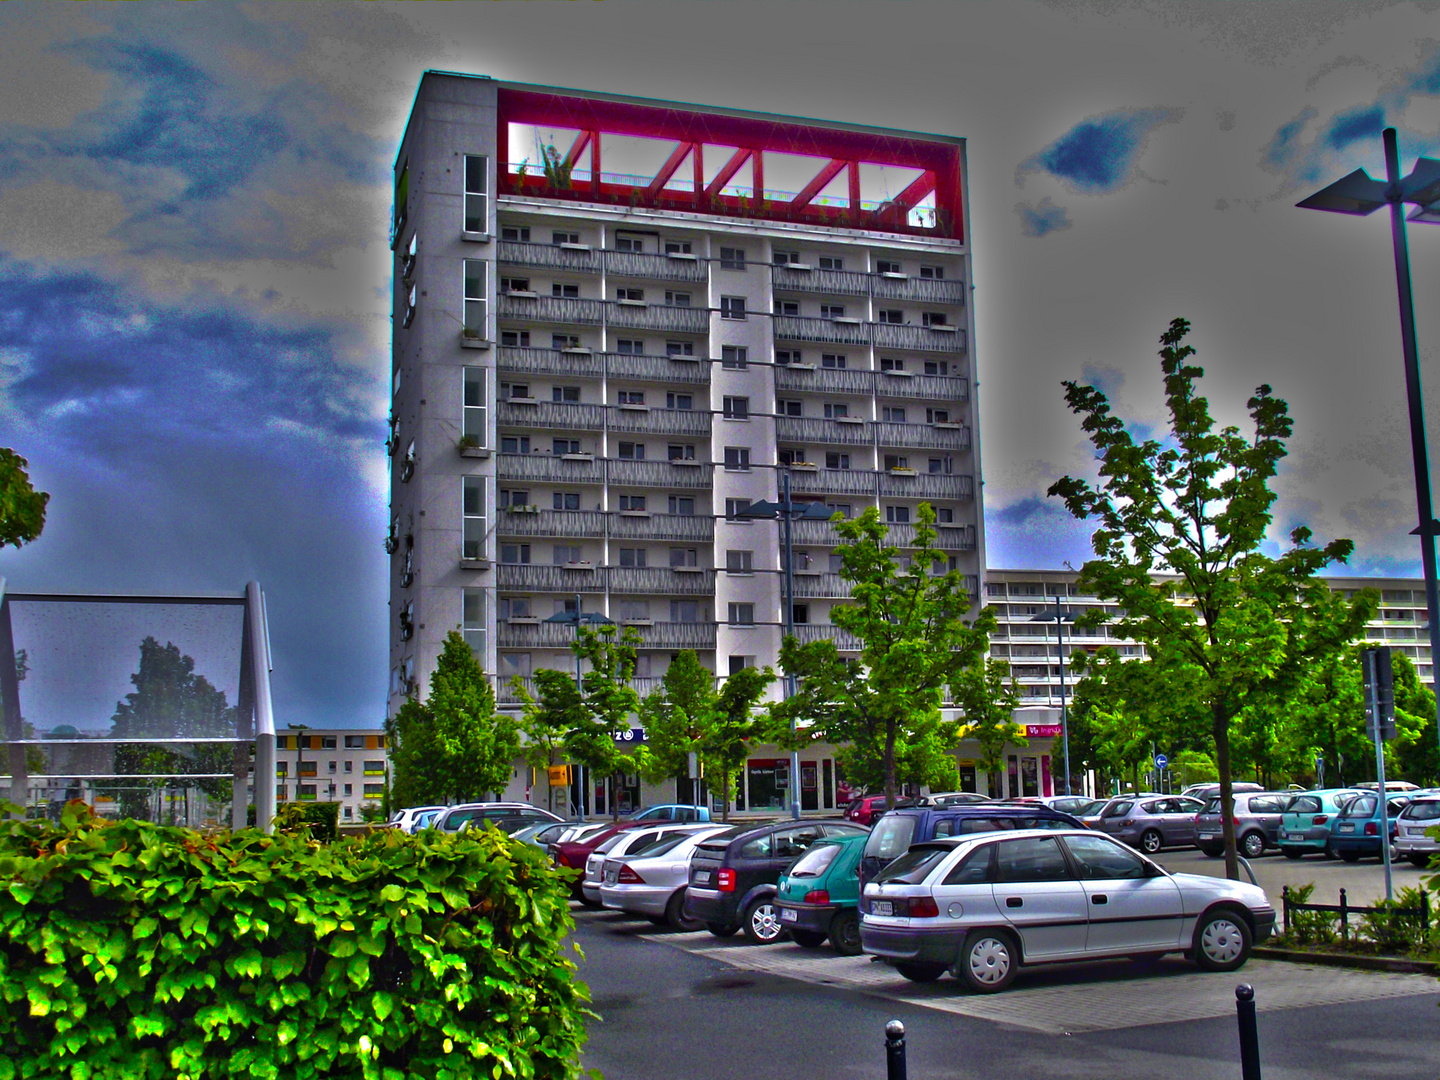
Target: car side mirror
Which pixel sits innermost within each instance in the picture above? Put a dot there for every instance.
(1152, 870)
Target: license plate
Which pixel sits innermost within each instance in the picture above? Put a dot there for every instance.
(702, 877)
(1207, 836)
(789, 915)
(1295, 836)
(1347, 828)
(882, 907)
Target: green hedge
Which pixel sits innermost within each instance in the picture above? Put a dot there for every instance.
(132, 950)
(323, 818)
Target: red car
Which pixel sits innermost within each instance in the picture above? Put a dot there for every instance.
(866, 809)
(573, 853)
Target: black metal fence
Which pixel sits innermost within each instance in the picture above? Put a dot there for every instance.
(1345, 909)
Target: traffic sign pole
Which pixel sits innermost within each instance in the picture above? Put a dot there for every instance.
(1373, 658)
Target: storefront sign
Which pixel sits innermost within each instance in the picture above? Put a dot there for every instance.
(558, 775)
(1042, 731)
(635, 734)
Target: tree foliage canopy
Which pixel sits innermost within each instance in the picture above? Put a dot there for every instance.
(22, 508)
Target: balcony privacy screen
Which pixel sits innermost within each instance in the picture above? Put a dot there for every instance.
(143, 706)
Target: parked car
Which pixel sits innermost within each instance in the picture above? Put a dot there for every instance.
(653, 882)
(572, 851)
(542, 832)
(1152, 824)
(1208, 790)
(1257, 823)
(1305, 824)
(952, 798)
(733, 874)
(864, 810)
(425, 819)
(819, 896)
(505, 816)
(629, 842)
(1422, 813)
(1066, 804)
(404, 820)
(981, 907)
(1356, 832)
(671, 812)
(894, 833)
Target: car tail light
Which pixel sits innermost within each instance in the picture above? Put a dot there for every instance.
(924, 907)
(1196, 819)
(817, 896)
(1319, 819)
(1372, 828)
(628, 876)
(725, 880)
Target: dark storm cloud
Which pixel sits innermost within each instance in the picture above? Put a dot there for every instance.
(1352, 126)
(1283, 146)
(1042, 217)
(1036, 532)
(1098, 156)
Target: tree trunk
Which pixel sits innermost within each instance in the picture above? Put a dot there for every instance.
(725, 795)
(889, 765)
(1220, 730)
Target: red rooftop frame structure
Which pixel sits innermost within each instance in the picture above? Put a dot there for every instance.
(845, 148)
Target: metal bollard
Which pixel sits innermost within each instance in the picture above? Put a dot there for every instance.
(1249, 1034)
(895, 1051)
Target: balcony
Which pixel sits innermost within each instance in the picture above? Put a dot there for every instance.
(512, 577)
(927, 486)
(552, 309)
(948, 538)
(683, 320)
(804, 430)
(662, 267)
(548, 257)
(824, 380)
(678, 635)
(663, 527)
(844, 640)
(921, 290)
(550, 415)
(692, 422)
(659, 474)
(661, 580)
(833, 482)
(535, 635)
(547, 468)
(662, 369)
(934, 387)
(814, 532)
(562, 523)
(522, 361)
(925, 436)
(826, 585)
(835, 282)
(825, 331)
(922, 338)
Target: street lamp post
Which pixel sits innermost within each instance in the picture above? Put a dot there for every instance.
(1061, 618)
(1359, 195)
(787, 511)
(575, 618)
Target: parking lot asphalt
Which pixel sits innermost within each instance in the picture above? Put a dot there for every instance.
(1363, 881)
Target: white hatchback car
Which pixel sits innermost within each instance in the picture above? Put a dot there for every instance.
(982, 906)
(1411, 842)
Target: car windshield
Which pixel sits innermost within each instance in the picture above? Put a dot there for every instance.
(890, 837)
(666, 843)
(1304, 804)
(913, 867)
(1426, 810)
(608, 844)
(815, 861)
(1117, 809)
(1362, 807)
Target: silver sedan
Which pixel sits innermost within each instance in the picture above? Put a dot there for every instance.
(653, 883)
(631, 840)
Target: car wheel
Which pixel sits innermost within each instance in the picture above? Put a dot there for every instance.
(722, 929)
(988, 961)
(1213, 852)
(1349, 855)
(808, 939)
(1291, 853)
(761, 921)
(1150, 841)
(1253, 845)
(845, 932)
(1419, 861)
(921, 973)
(675, 914)
(1222, 941)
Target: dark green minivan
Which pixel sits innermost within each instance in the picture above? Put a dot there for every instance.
(819, 896)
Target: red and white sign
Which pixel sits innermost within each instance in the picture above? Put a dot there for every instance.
(1042, 731)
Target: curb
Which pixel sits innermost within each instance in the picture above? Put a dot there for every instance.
(1347, 960)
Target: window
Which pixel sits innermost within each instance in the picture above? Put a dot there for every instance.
(680, 451)
(783, 258)
(890, 363)
(679, 348)
(836, 460)
(837, 562)
(677, 247)
(684, 556)
(897, 515)
(932, 273)
(632, 502)
(515, 339)
(733, 508)
(477, 217)
(354, 742)
(845, 510)
(473, 426)
(832, 360)
(514, 390)
(681, 505)
(937, 416)
(1031, 859)
(791, 456)
(897, 461)
(564, 446)
(632, 397)
(562, 289)
(676, 299)
(937, 367)
(787, 307)
(474, 298)
(348, 789)
(629, 242)
(945, 515)
(742, 615)
(883, 266)
(831, 262)
(635, 295)
(515, 607)
(942, 465)
(732, 258)
(633, 610)
(737, 458)
(561, 554)
(733, 357)
(632, 556)
(800, 614)
(739, 562)
(558, 238)
(685, 611)
(630, 451)
(473, 513)
(566, 500)
(836, 409)
(932, 318)
(786, 357)
(515, 554)
(735, 408)
(732, 307)
(832, 311)
(893, 316)
(740, 663)
(569, 395)
(411, 300)
(514, 497)
(514, 284)
(565, 341)
(893, 414)
(629, 347)
(1104, 860)
(789, 408)
(519, 234)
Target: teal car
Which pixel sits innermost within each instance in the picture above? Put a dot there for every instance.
(819, 895)
(1305, 824)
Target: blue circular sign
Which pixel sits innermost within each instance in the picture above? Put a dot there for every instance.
(1161, 761)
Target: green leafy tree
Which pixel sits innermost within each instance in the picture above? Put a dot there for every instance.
(1198, 506)
(678, 715)
(22, 508)
(547, 717)
(986, 693)
(915, 642)
(453, 747)
(608, 701)
(1417, 756)
(727, 744)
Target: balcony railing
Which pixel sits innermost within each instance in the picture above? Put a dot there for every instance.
(678, 635)
(844, 640)
(922, 290)
(663, 267)
(833, 481)
(837, 282)
(923, 338)
(548, 468)
(948, 538)
(694, 422)
(827, 380)
(663, 527)
(661, 580)
(565, 523)
(659, 474)
(814, 532)
(826, 331)
(550, 415)
(510, 577)
(548, 257)
(922, 435)
(940, 387)
(812, 429)
(656, 368)
(555, 309)
(539, 635)
(685, 320)
(823, 585)
(512, 360)
(927, 486)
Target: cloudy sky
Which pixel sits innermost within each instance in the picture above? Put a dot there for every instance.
(194, 277)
